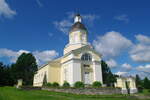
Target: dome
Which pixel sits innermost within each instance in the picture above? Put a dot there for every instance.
(78, 26)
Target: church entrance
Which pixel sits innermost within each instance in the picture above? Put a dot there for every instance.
(87, 79)
(87, 75)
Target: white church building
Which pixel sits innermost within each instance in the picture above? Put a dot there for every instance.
(80, 62)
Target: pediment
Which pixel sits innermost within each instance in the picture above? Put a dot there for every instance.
(86, 48)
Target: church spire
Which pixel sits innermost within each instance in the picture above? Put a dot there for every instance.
(77, 18)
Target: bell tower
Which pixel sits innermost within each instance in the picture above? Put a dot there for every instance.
(77, 35)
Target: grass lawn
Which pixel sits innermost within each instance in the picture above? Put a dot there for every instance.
(10, 93)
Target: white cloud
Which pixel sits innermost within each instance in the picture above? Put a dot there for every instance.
(7, 52)
(145, 68)
(144, 71)
(5, 10)
(111, 63)
(123, 17)
(41, 56)
(12, 55)
(126, 66)
(141, 51)
(65, 24)
(143, 39)
(45, 56)
(111, 44)
(121, 73)
(141, 56)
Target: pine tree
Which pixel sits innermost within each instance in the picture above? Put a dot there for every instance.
(108, 77)
(6, 76)
(138, 81)
(146, 83)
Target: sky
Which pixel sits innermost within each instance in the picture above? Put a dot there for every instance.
(117, 29)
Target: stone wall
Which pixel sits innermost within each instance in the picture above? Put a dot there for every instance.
(30, 88)
(91, 91)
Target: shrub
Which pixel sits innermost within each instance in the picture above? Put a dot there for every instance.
(96, 84)
(66, 84)
(55, 84)
(49, 84)
(79, 84)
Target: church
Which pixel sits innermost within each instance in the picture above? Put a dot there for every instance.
(80, 62)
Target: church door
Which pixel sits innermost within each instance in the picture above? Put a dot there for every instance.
(87, 79)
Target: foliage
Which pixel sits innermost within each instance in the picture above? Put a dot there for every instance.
(108, 77)
(25, 68)
(146, 83)
(79, 84)
(142, 84)
(138, 81)
(66, 84)
(6, 75)
(139, 84)
(140, 89)
(49, 84)
(96, 84)
(55, 84)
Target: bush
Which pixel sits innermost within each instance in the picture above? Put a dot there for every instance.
(96, 84)
(49, 84)
(55, 84)
(79, 84)
(66, 84)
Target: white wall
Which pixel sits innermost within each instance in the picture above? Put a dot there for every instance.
(68, 67)
(73, 68)
(76, 71)
(97, 71)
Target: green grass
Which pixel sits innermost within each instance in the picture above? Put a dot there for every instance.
(145, 92)
(10, 93)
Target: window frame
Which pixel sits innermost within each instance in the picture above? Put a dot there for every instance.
(86, 57)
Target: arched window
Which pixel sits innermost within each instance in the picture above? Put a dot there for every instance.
(86, 57)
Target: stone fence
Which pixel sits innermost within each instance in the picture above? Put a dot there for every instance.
(87, 91)
(30, 88)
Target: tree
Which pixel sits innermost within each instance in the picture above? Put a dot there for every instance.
(1, 74)
(146, 83)
(108, 77)
(6, 76)
(25, 68)
(138, 81)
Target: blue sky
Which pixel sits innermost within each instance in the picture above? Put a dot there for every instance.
(118, 29)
